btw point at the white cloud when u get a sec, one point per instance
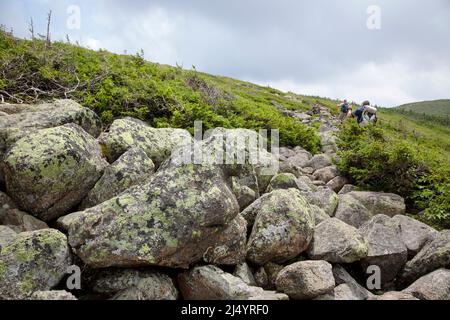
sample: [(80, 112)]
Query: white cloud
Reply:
[(93, 44), (389, 84)]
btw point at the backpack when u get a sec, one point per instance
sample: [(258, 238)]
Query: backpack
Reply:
[(344, 108)]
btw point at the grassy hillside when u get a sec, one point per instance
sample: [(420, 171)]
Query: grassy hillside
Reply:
[(437, 107), (437, 112), (402, 155), (127, 85)]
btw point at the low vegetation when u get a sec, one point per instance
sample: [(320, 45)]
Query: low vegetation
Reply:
[(126, 85), (401, 156)]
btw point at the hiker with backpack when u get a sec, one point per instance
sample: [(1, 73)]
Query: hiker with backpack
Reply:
[(344, 108), (366, 114)]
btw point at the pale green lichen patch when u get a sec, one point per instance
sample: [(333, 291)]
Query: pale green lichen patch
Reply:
[(50, 170)]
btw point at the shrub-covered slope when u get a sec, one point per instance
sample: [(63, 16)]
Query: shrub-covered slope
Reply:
[(126, 85)]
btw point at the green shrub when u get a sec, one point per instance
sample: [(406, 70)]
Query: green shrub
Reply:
[(375, 161)]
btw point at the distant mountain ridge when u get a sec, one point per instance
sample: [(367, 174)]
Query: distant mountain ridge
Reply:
[(439, 108)]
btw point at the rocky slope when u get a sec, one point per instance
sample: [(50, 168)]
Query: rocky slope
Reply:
[(141, 224)]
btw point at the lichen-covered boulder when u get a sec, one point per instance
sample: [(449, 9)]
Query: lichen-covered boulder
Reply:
[(337, 242), (358, 207), (415, 234), (33, 261), (24, 120), (21, 221), (129, 284), (49, 171), (211, 283), (306, 279), (156, 143), (386, 247), (170, 221), (63, 223), (57, 295), (230, 248), (133, 167), (434, 255), (282, 181), (283, 228), (319, 214), (433, 286)]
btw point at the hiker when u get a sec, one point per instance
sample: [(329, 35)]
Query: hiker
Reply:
[(344, 108), (366, 114)]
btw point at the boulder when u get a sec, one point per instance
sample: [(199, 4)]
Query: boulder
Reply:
[(347, 189), (388, 204), (386, 247), (21, 221), (33, 261), (25, 120), (132, 168), (434, 255), (351, 211), (211, 283), (170, 221), (283, 228), (48, 172), (57, 295), (129, 284), (230, 248), (337, 242), (7, 235), (286, 152), (238, 152), (156, 143), (244, 272), (296, 163), (357, 207), (343, 292), (415, 234), (324, 198), (306, 279), (63, 223), (282, 181), (326, 174), (245, 187), (394, 296), (336, 184), (319, 161), (341, 276), (319, 215), (433, 286)]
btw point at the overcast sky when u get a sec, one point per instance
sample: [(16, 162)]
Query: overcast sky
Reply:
[(321, 47)]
